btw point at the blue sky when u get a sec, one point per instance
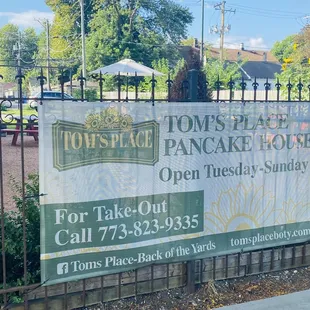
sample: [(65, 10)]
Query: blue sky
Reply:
[(257, 24)]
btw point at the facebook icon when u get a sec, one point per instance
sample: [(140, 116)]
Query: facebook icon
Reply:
[(62, 268)]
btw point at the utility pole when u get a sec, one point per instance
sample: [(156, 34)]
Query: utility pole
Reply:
[(17, 52), (48, 47), (47, 26), (18, 47), (223, 28), (83, 39), (202, 31)]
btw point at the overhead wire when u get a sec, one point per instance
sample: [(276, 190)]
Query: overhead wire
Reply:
[(269, 13), (265, 15), (266, 10)]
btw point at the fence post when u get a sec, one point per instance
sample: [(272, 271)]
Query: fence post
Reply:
[(82, 80), (169, 83), (61, 80), (41, 78), (193, 96)]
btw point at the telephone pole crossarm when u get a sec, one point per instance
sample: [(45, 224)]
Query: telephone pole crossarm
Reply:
[(221, 7)]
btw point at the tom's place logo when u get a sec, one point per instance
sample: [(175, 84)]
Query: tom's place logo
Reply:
[(105, 137)]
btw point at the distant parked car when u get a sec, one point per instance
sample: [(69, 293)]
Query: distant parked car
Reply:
[(33, 100)]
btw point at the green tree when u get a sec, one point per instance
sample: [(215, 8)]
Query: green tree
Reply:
[(66, 28), (225, 71), (284, 49), (144, 30), (9, 38), (299, 69), (163, 66), (29, 42), (14, 249), (190, 41)]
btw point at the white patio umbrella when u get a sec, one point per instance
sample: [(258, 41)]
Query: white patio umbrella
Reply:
[(127, 67)]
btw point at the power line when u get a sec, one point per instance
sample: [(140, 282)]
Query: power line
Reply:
[(274, 16), (266, 10), (269, 13)]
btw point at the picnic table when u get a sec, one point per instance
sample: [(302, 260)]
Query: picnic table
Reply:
[(31, 127)]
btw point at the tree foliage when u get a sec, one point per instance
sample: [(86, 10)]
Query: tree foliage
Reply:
[(144, 30), (14, 249), (299, 69), (9, 38), (164, 66), (225, 71), (66, 29), (190, 41), (284, 49)]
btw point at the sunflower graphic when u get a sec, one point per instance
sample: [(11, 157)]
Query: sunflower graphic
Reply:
[(93, 122), (109, 118), (240, 208), (125, 122), (294, 212)]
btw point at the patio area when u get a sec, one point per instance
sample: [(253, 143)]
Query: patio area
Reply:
[(11, 158)]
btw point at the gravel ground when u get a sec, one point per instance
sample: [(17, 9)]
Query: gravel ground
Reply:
[(216, 294), (11, 159)]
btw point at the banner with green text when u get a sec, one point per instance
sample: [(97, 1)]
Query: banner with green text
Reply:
[(130, 184)]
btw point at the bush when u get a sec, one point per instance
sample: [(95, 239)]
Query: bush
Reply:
[(13, 224), (91, 95)]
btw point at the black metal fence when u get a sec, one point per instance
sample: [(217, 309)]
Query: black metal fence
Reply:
[(147, 279), (188, 88)]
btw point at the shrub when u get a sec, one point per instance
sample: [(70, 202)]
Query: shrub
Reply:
[(91, 95), (13, 224)]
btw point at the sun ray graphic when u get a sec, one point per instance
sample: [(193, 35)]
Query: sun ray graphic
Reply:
[(240, 208), (294, 212)]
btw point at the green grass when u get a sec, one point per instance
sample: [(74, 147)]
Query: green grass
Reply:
[(26, 112), (11, 124)]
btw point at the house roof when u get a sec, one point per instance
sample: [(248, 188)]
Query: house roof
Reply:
[(260, 69), (239, 54), (254, 65), (230, 54), (8, 86)]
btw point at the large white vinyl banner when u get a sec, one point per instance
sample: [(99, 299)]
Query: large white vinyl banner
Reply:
[(190, 179)]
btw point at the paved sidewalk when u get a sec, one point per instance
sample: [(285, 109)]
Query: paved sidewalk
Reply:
[(295, 301)]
